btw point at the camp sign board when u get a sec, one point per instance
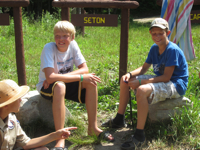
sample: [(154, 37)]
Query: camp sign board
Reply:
[(94, 20), (195, 16), (4, 19)]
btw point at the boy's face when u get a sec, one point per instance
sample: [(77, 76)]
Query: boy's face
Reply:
[(159, 36), (14, 107), (62, 40)]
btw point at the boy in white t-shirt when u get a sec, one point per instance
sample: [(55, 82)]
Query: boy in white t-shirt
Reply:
[(58, 81)]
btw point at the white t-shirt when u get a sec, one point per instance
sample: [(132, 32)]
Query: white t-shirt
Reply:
[(62, 62)]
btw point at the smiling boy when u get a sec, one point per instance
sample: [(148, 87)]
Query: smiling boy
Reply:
[(170, 81), (58, 81)]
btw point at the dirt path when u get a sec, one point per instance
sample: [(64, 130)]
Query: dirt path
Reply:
[(120, 136), (145, 20)]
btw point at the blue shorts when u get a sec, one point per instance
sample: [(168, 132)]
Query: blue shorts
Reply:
[(73, 91)]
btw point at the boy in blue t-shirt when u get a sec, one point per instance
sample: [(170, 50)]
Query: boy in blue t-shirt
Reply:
[(170, 81)]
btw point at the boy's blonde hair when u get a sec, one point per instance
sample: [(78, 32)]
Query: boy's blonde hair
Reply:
[(65, 26)]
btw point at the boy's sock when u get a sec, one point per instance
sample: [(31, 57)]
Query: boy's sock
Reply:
[(139, 135), (119, 119)]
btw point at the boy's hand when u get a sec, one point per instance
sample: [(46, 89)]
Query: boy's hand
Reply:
[(126, 77), (134, 84), (45, 84), (65, 133), (91, 78)]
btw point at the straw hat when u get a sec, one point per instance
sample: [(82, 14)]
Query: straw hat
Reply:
[(10, 92)]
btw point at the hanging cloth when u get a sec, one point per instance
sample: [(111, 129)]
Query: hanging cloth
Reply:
[(177, 13)]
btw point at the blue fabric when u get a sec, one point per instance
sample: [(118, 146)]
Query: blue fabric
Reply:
[(172, 56)]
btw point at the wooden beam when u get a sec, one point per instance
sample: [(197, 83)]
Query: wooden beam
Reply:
[(65, 14), (14, 3), (96, 4), (17, 11), (4, 19), (125, 13)]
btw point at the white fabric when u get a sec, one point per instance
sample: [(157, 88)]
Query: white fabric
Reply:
[(62, 62), (161, 91)]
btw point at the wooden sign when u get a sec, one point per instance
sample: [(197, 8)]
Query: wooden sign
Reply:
[(94, 20), (195, 16), (4, 19)]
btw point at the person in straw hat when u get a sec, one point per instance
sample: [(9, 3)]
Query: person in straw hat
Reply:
[(11, 133)]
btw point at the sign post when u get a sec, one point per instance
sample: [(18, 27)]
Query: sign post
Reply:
[(94, 20), (4, 21), (19, 45)]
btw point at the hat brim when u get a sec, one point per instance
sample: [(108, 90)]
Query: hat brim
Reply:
[(158, 25), (22, 91)]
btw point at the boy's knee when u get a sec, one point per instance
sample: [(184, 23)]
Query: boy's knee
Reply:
[(141, 91), (60, 88), (88, 86)]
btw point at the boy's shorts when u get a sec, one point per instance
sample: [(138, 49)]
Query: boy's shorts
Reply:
[(73, 91), (161, 90)]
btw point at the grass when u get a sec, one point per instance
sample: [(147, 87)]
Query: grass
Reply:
[(100, 47)]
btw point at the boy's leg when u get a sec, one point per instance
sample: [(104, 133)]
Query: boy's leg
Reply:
[(91, 106), (91, 96), (119, 120), (143, 92), (138, 139), (124, 96), (58, 107)]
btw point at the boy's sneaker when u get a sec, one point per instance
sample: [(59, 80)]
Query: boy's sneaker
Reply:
[(132, 144), (111, 124)]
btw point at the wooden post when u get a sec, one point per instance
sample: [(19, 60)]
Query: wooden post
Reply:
[(82, 27), (19, 46), (124, 42), (65, 13)]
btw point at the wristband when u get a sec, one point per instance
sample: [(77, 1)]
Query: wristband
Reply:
[(140, 81), (81, 78), (130, 74)]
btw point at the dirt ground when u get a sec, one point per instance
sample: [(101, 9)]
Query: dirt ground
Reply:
[(120, 136)]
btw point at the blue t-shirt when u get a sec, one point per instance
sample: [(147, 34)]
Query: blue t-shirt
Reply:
[(172, 56)]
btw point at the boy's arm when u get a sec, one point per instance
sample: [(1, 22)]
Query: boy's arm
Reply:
[(52, 77), (139, 71), (43, 140), (82, 69), (163, 78)]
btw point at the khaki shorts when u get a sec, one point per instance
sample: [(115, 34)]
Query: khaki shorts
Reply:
[(161, 90)]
